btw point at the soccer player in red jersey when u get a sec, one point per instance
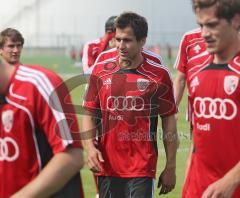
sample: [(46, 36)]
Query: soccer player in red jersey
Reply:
[(129, 93), (109, 54), (38, 157), (215, 161), (93, 48)]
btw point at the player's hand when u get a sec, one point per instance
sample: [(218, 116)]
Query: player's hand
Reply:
[(222, 188), (167, 181), (94, 159)]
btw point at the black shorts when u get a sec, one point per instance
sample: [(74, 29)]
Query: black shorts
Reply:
[(116, 187)]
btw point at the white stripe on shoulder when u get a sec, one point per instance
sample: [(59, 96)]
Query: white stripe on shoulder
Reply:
[(105, 52), (149, 52), (46, 89), (160, 66), (106, 61), (157, 65)]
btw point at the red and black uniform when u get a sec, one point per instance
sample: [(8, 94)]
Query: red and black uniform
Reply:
[(215, 92), (130, 102), (33, 128), (112, 54)]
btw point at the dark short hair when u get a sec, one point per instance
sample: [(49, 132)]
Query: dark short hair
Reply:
[(110, 24), (226, 9), (135, 21), (12, 34)]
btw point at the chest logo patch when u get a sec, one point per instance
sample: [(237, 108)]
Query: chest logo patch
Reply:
[(230, 84), (7, 120), (142, 84)]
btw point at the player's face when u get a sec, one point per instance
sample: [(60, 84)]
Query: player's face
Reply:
[(11, 51), (218, 33), (129, 49)]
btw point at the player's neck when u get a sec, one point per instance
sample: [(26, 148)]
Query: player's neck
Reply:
[(230, 52), (131, 63)]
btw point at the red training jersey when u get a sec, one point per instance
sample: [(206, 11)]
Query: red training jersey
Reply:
[(129, 102), (216, 125), (33, 126), (192, 51), (192, 47)]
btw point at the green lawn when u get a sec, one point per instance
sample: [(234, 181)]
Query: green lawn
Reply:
[(65, 67)]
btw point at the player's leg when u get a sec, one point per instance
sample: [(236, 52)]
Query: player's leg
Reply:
[(142, 187), (111, 187)]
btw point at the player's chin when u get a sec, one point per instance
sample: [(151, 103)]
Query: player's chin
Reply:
[(212, 47), (14, 61)]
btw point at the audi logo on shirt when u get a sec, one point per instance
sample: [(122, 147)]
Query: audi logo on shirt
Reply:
[(9, 150), (125, 103), (214, 108)]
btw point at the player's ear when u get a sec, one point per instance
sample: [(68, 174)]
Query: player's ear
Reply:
[(236, 22)]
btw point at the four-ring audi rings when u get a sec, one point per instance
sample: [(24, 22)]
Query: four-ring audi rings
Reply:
[(125, 103), (9, 150), (214, 108)]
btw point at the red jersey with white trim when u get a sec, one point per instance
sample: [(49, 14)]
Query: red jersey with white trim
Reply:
[(130, 102), (192, 47), (216, 106), (33, 126), (92, 49), (192, 53), (112, 54)]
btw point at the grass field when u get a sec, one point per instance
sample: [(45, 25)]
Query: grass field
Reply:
[(65, 67)]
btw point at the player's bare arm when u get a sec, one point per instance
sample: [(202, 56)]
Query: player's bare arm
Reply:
[(225, 186), (60, 169), (94, 156), (179, 86), (167, 179)]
